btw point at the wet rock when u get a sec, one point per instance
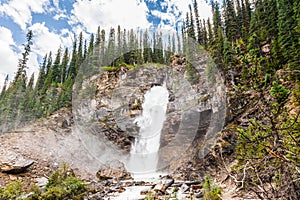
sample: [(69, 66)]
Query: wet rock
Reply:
[(13, 163), (113, 170)]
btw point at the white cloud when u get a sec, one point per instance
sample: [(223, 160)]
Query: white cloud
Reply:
[(8, 57), (109, 13), (21, 11), (45, 40)]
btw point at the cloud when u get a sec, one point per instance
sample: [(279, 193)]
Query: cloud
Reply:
[(172, 12), (109, 13), (21, 11), (44, 40), (8, 57)]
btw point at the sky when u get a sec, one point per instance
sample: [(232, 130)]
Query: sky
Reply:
[(54, 23)]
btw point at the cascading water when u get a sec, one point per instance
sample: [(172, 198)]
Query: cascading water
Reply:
[(144, 151)]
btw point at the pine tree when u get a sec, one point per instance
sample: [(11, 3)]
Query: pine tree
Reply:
[(210, 33), (56, 68), (42, 75), (205, 39), (98, 37), (91, 45), (79, 57), (216, 19), (4, 87), (110, 53), (288, 39), (146, 46), (21, 76), (119, 44), (72, 67), (231, 28), (64, 66), (198, 21)]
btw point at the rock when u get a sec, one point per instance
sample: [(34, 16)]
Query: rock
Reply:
[(139, 183), (167, 184), (13, 163), (113, 170), (158, 187), (196, 187), (184, 187), (42, 182), (144, 192), (189, 183), (199, 195)]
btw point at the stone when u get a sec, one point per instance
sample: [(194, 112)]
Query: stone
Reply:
[(158, 187), (13, 163), (113, 170), (41, 182), (184, 188), (144, 192)]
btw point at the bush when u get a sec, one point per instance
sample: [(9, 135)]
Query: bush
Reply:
[(13, 190), (62, 185), (210, 190)]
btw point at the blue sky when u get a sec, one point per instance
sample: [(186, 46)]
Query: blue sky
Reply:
[(54, 22)]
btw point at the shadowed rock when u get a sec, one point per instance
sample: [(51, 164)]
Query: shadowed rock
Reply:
[(13, 163)]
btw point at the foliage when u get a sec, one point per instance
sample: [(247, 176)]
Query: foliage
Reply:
[(210, 190), (13, 190), (62, 184), (268, 149)]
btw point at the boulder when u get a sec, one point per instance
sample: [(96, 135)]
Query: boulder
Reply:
[(113, 170), (13, 163)]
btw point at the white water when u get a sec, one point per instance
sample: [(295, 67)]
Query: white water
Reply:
[(144, 151)]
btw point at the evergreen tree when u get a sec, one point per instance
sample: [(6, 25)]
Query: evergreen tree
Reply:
[(288, 37), (205, 39), (216, 19), (91, 44), (42, 75), (4, 87), (56, 68), (231, 28), (146, 46), (79, 56), (198, 21), (64, 66), (111, 48), (72, 67)]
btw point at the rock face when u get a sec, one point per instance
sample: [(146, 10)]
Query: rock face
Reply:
[(194, 114), (113, 170), (11, 162)]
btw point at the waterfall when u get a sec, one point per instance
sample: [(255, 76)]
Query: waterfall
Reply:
[(144, 150)]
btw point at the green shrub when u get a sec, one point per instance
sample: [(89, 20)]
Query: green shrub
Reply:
[(13, 190), (63, 184), (211, 191)]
